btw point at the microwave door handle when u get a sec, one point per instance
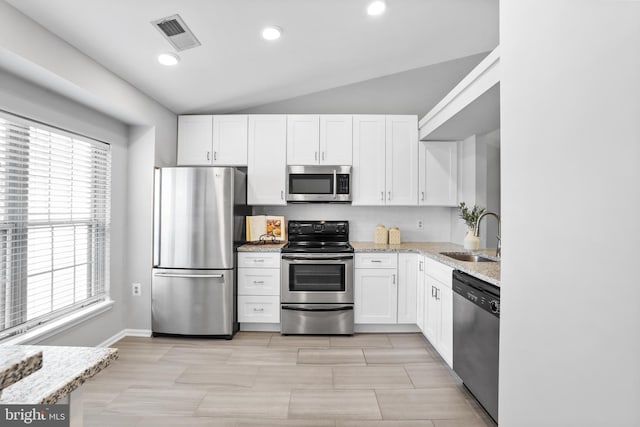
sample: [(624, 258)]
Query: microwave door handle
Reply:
[(335, 184)]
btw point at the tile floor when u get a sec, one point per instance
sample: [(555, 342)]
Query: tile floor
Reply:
[(265, 379)]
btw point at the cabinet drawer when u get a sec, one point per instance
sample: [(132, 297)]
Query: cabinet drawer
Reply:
[(259, 309), (441, 272), (258, 281), (376, 260), (255, 259)]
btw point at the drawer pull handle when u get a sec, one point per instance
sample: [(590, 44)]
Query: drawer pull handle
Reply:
[(377, 261), (258, 282), (258, 260), (258, 309)]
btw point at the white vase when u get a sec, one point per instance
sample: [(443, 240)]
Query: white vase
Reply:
[(471, 241)]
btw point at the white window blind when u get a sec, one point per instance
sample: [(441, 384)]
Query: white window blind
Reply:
[(54, 223)]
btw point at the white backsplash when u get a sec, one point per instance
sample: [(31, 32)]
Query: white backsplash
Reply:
[(363, 219)]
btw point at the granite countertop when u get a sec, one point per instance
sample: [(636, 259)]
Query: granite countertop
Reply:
[(487, 271), (262, 247), (17, 362), (64, 369)]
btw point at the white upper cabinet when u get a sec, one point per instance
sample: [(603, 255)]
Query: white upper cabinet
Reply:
[(402, 166), (195, 140), (230, 140), (438, 173), (336, 140), (319, 139), (267, 160), (303, 139), (212, 140), (385, 165), (368, 160)]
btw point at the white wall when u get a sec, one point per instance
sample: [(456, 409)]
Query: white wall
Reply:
[(29, 50), (363, 219), (570, 109), (24, 98)]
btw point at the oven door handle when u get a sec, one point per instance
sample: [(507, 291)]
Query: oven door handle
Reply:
[(344, 308), (312, 258)]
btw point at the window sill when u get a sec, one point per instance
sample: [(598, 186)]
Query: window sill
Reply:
[(51, 329)]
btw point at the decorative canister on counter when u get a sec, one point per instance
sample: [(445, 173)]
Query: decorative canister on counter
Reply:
[(380, 235), (394, 236)]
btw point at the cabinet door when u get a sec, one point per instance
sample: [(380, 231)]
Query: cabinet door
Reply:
[(408, 272), (445, 297), (266, 172), (230, 140), (195, 140), (438, 173), (402, 160), (303, 139), (336, 140), (420, 300), (368, 160), (375, 295), (434, 312)]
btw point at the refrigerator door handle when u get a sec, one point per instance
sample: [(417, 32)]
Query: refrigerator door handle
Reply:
[(198, 276)]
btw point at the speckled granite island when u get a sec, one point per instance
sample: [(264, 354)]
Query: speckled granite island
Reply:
[(17, 362), (63, 370), (487, 271)]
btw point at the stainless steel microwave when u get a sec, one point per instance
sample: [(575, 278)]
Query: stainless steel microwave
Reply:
[(319, 184)]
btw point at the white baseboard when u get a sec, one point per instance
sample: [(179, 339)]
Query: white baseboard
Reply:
[(260, 327), (125, 333), (365, 328)]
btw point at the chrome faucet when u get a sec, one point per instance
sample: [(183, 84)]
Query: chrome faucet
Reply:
[(477, 229)]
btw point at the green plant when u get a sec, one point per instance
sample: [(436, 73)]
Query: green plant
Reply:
[(470, 216)]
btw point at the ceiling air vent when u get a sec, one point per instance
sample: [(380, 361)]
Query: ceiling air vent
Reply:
[(176, 32)]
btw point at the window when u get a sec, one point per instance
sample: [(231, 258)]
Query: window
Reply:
[(54, 223)]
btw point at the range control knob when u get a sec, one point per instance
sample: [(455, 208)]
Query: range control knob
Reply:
[(340, 228), (495, 306)]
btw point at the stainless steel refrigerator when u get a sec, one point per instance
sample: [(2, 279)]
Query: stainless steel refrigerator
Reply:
[(199, 217)]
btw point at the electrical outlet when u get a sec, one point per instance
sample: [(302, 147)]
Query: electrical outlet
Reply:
[(420, 224), (136, 289)]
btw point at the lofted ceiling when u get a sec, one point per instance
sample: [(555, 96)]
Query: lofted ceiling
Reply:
[(325, 44)]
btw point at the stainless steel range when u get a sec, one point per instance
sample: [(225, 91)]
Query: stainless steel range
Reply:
[(316, 288)]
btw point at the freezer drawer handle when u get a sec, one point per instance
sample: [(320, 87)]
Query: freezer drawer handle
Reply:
[(201, 276), (286, 307)]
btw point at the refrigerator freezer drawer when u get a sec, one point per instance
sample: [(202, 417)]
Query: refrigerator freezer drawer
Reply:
[(193, 302)]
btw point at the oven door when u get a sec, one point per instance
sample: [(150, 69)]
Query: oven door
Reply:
[(317, 278)]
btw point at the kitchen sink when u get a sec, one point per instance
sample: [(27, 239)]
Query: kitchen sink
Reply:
[(465, 256)]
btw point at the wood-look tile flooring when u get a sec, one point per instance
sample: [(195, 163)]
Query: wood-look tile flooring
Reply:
[(265, 379)]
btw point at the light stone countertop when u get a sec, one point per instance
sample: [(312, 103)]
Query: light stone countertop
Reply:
[(64, 369), (487, 271), (17, 362), (262, 247)]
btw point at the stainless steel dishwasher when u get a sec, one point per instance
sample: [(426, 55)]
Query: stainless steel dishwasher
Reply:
[(476, 331)]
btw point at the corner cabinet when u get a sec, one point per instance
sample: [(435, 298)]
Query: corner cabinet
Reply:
[(266, 180), (385, 167), (206, 140), (438, 177)]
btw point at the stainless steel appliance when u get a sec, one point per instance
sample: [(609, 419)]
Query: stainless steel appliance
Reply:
[(319, 183), (476, 330), (198, 215), (316, 291)]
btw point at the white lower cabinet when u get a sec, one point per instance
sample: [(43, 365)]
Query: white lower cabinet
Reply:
[(376, 288), (408, 272), (438, 306), (258, 287)]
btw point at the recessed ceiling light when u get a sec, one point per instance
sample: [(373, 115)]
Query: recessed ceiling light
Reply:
[(377, 7), (271, 33), (168, 59)]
